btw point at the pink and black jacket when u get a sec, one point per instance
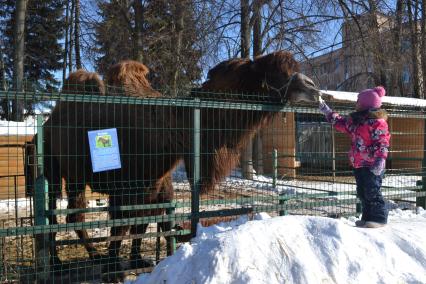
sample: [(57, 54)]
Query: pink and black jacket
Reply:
[(369, 135)]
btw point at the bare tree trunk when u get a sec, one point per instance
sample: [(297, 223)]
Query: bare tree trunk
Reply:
[(257, 28), (178, 29), (77, 34), (19, 55), (257, 50), (138, 32), (4, 103), (2, 71), (377, 46), (247, 155), (396, 68), (70, 36), (64, 65), (245, 29), (413, 24)]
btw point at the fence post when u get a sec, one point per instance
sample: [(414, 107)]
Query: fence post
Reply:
[(41, 199), (195, 194), (333, 145), (281, 200), (171, 243), (3, 273), (274, 168)]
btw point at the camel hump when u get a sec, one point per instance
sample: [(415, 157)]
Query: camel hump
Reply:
[(279, 62), (129, 77), (83, 82), (226, 67)]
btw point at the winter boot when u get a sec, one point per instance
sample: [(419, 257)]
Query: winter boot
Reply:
[(360, 223), (370, 224)]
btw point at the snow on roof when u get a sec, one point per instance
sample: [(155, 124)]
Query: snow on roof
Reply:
[(300, 249), (352, 97), (27, 127)]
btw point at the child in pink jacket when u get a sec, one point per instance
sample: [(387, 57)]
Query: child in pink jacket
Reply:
[(370, 137)]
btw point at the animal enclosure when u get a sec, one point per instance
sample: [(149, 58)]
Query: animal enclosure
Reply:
[(180, 165)]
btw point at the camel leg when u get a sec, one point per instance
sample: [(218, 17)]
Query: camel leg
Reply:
[(166, 227), (53, 220), (136, 260), (113, 270), (77, 199), (51, 172), (166, 195)]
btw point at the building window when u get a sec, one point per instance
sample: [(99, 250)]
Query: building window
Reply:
[(346, 69), (336, 63), (370, 66), (405, 45), (405, 75)]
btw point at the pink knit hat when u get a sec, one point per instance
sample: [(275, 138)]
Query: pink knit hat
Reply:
[(371, 98)]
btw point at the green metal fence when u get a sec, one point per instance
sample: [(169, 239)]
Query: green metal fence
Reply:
[(61, 195)]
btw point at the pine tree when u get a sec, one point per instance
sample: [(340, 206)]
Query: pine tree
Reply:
[(43, 32), (152, 35), (171, 54), (113, 34), (6, 10)]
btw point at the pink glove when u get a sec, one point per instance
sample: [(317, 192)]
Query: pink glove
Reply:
[(378, 167)]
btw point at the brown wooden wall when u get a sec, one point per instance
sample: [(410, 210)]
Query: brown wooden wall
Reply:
[(280, 135), (406, 142), (342, 144), (12, 166)]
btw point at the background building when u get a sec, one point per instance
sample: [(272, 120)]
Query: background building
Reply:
[(372, 54)]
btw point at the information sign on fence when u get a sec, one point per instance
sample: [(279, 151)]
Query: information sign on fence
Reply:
[(104, 150)]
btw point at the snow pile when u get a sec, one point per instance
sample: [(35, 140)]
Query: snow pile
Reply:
[(300, 249)]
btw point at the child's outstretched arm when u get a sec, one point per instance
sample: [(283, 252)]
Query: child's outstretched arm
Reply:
[(380, 137), (339, 122)]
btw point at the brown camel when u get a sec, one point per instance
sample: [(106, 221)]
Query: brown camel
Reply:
[(129, 78), (78, 82), (83, 82), (153, 139)]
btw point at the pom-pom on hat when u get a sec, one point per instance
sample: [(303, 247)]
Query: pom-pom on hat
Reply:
[(371, 98)]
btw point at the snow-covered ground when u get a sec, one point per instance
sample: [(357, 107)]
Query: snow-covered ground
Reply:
[(289, 249), (259, 184), (291, 186), (300, 249)]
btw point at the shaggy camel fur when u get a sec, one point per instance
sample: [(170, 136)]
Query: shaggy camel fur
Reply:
[(153, 139), (78, 82), (129, 78), (82, 82)]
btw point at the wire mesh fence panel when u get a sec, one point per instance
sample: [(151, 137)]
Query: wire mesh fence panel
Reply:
[(100, 183)]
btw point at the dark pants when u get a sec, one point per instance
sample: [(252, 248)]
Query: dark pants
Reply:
[(368, 191)]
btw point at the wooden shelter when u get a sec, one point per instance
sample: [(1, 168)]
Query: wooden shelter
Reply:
[(12, 155)]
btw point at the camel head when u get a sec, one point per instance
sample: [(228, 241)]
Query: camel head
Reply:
[(302, 88), (280, 79), (273, 76)]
